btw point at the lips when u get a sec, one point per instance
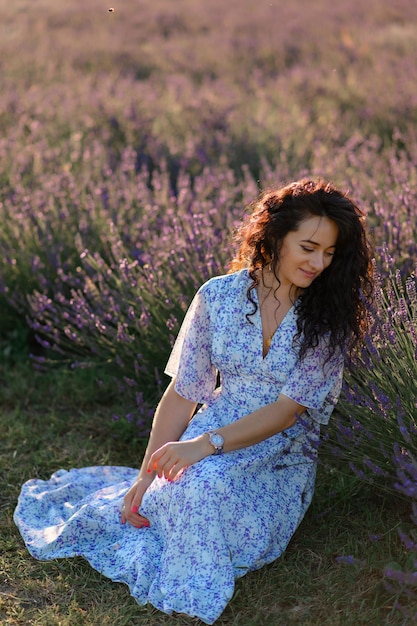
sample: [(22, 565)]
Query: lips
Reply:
[(310, 275)]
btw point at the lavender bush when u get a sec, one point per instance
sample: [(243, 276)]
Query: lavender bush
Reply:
[(124, 300), (376, 427)]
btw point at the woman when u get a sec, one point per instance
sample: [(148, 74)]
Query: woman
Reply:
[(222, 491)]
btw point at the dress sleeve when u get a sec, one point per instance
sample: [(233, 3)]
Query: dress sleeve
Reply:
[(316, 382), (190, 361)]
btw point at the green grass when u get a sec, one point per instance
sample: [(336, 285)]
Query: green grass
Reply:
[(306, 586)]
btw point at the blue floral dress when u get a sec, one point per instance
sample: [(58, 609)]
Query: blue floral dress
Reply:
[(224, 516)]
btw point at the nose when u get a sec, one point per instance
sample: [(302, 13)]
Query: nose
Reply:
[(317, 261)]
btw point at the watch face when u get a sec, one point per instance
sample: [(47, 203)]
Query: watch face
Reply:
[(216, 439)]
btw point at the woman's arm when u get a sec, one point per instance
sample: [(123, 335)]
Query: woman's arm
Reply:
[(171, 419), (247, 431), (261, 424)]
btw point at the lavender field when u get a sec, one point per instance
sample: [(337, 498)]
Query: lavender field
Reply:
[(131, 142)]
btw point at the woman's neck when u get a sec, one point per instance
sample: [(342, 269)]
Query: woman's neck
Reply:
[(269, 284)]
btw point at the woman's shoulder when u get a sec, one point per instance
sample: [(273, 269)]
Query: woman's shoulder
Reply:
[(226, 284)]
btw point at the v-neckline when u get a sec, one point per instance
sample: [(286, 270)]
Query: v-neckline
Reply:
[(260, 327)]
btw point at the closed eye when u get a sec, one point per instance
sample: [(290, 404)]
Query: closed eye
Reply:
[(307, 249)]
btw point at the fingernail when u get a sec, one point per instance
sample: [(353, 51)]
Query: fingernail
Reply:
[(149, 471), (134, 509)]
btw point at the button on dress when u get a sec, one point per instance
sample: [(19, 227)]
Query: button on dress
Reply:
[(228, 514)]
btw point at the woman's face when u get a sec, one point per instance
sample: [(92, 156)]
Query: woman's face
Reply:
[(306, 252)]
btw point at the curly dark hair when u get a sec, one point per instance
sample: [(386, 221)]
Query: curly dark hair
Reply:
[(335, 302)]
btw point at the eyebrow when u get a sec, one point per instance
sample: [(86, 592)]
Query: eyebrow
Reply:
[(314, 243)]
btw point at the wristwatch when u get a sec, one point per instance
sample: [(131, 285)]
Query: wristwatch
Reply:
[(216, 441)]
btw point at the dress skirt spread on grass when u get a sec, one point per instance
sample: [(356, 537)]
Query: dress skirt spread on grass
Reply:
[(224, 516)]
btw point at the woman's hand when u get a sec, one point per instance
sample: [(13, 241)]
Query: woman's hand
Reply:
[(132, 502), (173, 456)]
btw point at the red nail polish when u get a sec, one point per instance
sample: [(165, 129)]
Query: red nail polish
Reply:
[(134, 509)]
